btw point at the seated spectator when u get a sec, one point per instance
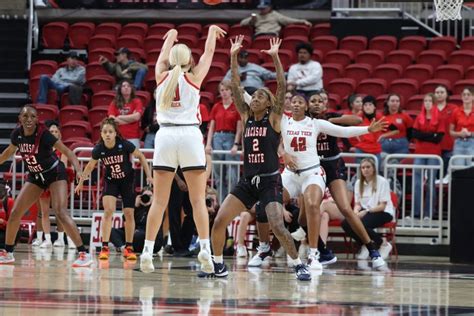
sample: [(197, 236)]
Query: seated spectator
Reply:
[(6, 206), (125, 68), (225, 131), (149, 124), (462, 128), (428, 131), (354, 102), (70, 79), (373, 204), (307, 75), (395, 140), (252, 76), (269, 22), (329, 212), (127, 111)]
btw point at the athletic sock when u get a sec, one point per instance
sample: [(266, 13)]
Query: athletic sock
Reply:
[(218, 259), (313, 251), (205, 244), (296, 261), (263, 246), (371, 245), (47, 237), (61, 236), (128, 244), (81, 248), (9, 248), (148, 247), (39, 235), (105, 244)]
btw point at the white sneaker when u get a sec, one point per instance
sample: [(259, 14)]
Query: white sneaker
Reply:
[(36, 242), (303, 251), (289, 262), (146, 263), (46, 244), (59, 243), (205, 258), (378, 262), (261, 257), (363, 253), (241, 251), (299, 234), (70, 243), (385, 250), (84, 260), (313, 263)]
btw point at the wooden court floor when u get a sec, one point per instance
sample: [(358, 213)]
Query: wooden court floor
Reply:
[(44, 283)]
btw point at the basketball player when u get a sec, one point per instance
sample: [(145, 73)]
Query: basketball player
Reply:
[(336, 175), (179, 141), (262, 180), (36, 146), (303, 174), (114, 152)]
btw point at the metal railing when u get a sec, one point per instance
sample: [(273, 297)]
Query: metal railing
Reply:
[(33, 32)]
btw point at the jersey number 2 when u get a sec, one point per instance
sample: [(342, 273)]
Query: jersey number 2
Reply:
[(298, 144), (255, 144)]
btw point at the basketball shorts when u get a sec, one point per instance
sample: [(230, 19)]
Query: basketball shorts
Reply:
[(179, 146), (296, 184), (335, 169), (45, 179), (124, 188), (269, 190), (70, 178)]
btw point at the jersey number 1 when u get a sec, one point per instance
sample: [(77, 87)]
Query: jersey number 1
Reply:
[(298, 144)]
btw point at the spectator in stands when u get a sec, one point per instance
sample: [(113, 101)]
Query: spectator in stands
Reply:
[(446, 111), (307, 75), (149, 124), (428, 131), (127, 111), (252, 76), (125, 68), (462, 127), (269, 22), (373, 204), (354, 103), (225, 131), (66, 79), (6, 205), (287, 108), (395, 140)]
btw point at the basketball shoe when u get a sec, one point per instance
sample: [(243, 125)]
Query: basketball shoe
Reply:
[(146, 263), (6, 257), (262, 256)]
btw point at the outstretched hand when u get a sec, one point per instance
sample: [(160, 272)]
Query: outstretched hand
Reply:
[(236, 44), (219, 32), (378, 126), (274, 46), (171, 33)]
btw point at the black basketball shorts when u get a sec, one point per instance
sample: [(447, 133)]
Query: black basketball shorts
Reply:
[(335, 169), (124, 187), (45, 179)]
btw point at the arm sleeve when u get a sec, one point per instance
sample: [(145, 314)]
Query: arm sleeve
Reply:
[(96, 152), (285, 20), (384, 190), (315, 74), (291, 74), (266, 74), (340, 131), (246, 21), (138, 106), (112, 109), (110, 67)]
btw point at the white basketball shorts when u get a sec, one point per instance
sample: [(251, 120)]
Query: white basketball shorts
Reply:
[(296, 184)]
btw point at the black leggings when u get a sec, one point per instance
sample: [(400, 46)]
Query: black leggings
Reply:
[(370, 221), (181, 233)]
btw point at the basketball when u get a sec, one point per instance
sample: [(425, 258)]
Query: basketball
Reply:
[(212, 2)]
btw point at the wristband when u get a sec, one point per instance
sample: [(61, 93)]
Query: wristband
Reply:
[(236, 144)]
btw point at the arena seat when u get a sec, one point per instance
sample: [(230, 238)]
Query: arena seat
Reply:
[(316, 56), (72, 113), (46, 112), (102, 41), (144, 96), (404, 87), (65, 99), (272, 85), (370, 57), (414, 103), (212, 84), (403, 57), (325, 43), (54, 34), (80, 33), (153, 43), (76, 129), (97, 114), (238, 29), (452, 73), (469, 74), (358, 72), (388, 72), (354, 43), (291, 42), (43, 67), (102, 98), (224, 26), (137, 54), (419, 72), (261, 42), (107, 52), (372, 86), (445, 43), (384, 43), (108, 28), (295, 30), (334, 100), (207, 98), (254, 56), (434, 58), (138, 29), (461, 84), (456, 99), (221, 42), (342, 56), (465, 58), (467, 43), (95, 69), (332, 71), (159, 29), (415, 43), (34, 90), (430, 85), (101, 83), (380, 101), (78, 144), (222, 55), (130, 41), (71, 141), (188, 39), (190, 29), (342, 87), (320, 29)]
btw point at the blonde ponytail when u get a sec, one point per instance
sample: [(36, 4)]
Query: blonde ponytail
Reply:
[(180, 56)]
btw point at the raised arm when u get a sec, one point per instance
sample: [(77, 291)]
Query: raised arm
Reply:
[(280, 77), (202, 68), (347, 120), (7, 153), (351, 131), (162, 63), (237, 94)]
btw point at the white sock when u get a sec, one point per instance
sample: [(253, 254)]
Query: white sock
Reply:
[(205, 244), (47, 237), (39, 235), (218, 259), (263, 246), (169, 240), (61, 236), (148, 247), (296, 261), (313, 251), (69, 241)]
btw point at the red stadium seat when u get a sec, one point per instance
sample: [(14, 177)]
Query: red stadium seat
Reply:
[(429, 86), (370, 57), (97, 114), (406, 88), (78, 144), (316, 56), (190, 29), (461, 84), (188, 39), (212, 84), (76, 129), (291, 42), (456, 99), (153, 43), (43, 67), (195, 52), (325, 43), (217, 69), (102, 41), (272, 85), (224, 26), (80, 33), (452, 73), (95, 135), (108, 28), (34, 90), (334, 101), (341, 56), (402, 57), (152, 55), (130, 41), (354, 43), (358, 72), (46, 112), (295, 30), (139, 29), (54, 34), (261, 42), (416, 44), (72, 113), (160, 29), (238, 29), (255, 56), (320, 29), (384, 43), (101, 83), (467, 43), (102, 98), (137, 54), (95, 69), (107, 52), (207, 98), (372, 87), (444, 43), (150, 81), (419, 72), (331, 72), (222, 56), (414, 103), (65, 99), (434, 58), (144, 96), (465, 58), (342, 87), (469, 73), (246, 43), (388, 72)]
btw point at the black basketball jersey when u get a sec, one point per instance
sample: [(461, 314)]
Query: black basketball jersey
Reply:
[(116, 160), (327, 145), (36, 150), (260, 147)]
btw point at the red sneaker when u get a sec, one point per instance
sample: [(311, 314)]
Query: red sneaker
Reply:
[(129, 254), (104, 253)]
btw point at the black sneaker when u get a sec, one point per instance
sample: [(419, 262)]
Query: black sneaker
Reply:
[(220, 271), (302, 273), (327, 257)]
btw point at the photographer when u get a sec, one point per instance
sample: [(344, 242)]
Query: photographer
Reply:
[(142, 206)]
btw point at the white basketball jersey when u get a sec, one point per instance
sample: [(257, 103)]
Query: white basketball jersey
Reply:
[(185, 107)]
